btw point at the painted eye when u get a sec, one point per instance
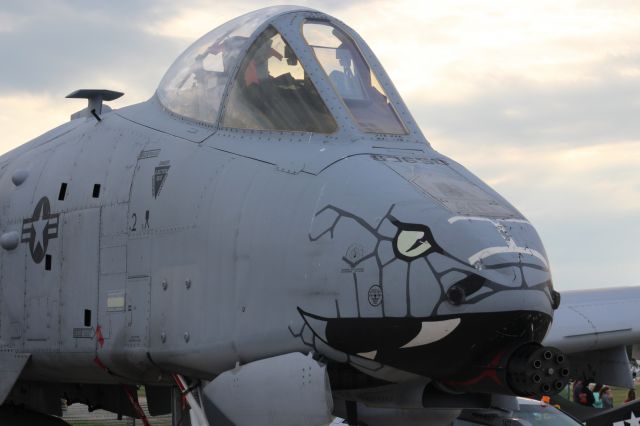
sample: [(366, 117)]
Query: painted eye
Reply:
[(413, 241)]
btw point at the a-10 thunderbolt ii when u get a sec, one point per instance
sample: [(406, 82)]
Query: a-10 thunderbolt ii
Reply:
[(271, 239)]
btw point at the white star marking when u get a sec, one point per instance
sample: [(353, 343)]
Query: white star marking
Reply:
[(631, 421), (40, 228)]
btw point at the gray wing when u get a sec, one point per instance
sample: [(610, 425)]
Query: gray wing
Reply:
[(594, 327)]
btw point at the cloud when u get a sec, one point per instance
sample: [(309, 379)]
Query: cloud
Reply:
[(74, 46), (199, 17), (518, 111), (9, 22), (190, 23), (592, 252), (543, 177), (448, 52), (24, 116)]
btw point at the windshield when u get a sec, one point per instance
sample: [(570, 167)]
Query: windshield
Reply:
[(194, 85), (272, 91), (543, 415), (352, 78), (527, 415)]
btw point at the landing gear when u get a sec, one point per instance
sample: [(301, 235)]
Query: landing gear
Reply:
[(133, 399), (191, 395)]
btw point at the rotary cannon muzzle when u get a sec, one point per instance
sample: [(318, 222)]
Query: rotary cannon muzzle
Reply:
[(528, 370), (534, 370)]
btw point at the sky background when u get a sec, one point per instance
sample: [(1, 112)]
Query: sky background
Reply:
[(541, 99)]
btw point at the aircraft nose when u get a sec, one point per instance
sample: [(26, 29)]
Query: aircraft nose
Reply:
[(432, 267), (425, 284)]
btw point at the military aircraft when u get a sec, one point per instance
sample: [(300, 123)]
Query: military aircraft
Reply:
[(271, 239)]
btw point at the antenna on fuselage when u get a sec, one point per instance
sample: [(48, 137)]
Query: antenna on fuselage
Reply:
[(95, 98)]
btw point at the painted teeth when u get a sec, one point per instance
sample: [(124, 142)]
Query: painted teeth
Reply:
[(369, 355), (432, 331)]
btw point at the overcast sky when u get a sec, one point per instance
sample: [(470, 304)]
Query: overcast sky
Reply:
[(539, 98)]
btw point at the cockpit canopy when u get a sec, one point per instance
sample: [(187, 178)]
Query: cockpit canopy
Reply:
[(246, 75)]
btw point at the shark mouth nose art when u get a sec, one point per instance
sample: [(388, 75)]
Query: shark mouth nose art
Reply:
[(366, 337), (418, 345)]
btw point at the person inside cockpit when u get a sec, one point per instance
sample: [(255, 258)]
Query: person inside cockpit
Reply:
[(257, 68), (345, 81), (273, 91), (350, 81)]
